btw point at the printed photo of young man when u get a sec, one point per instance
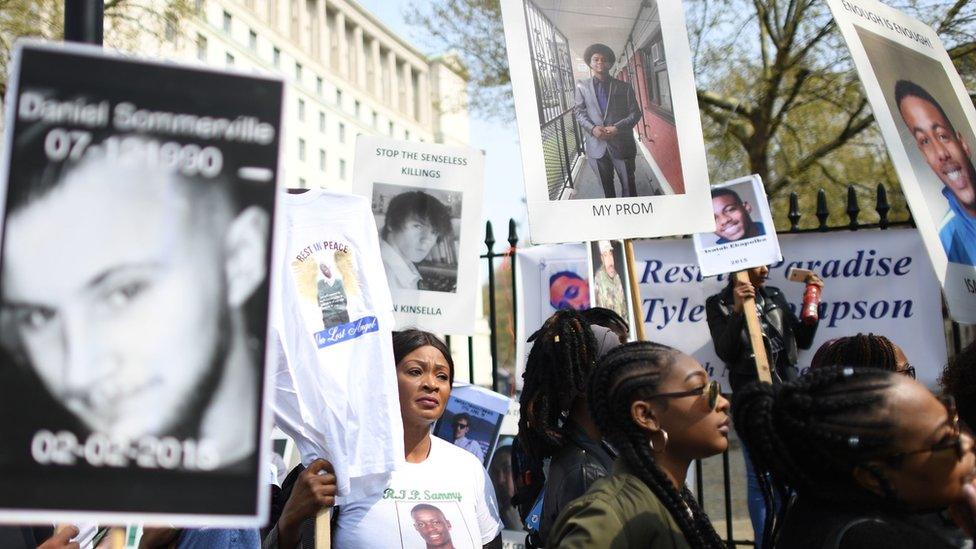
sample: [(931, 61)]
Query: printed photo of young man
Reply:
[(733, 217)]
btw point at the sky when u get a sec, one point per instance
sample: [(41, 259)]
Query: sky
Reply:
[(504, 190)]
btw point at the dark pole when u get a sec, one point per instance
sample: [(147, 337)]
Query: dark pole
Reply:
[(83, 21)]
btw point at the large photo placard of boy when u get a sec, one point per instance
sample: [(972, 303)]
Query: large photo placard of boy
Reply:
[(744, 235), (926, 118), (608, 119), (426, 199), (138, 205)]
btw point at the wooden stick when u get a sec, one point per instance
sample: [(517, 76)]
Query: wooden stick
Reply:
[(116, 538), (755, 332), (323, 528), (635, 297)]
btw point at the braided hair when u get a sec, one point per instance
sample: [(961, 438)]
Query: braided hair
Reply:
[(876, 351), (628, 373), (563, 355), (959, 380), (813, 432)]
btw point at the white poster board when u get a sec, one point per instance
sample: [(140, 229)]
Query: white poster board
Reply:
[(549, 278), (875, 282), (138, 203), (473, 419), (927, 119), (426, 199), (744, 235), (631, 131)]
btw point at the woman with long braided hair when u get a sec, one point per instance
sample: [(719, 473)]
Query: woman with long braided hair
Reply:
[(554, 422), (657, 407), (864, 449)]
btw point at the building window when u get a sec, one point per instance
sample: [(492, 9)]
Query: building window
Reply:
[(276, 57), (338, 98), (322, 159), (342, 169), (301, 183), (318, 85), (376, 119), (227, 22), (298, 71), (201, 47), (301, 149), (252, 40), (656, 71), (301, 110), (230, 60), (342, 132), (321, 121), (389, 128), (356, 106)]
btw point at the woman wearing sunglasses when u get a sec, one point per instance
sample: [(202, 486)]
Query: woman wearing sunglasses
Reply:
[(658, 408), (866, 450)]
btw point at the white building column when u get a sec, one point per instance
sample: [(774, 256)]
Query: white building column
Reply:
[(408, 87), (340, 23), (360, 54), (423, 88), (394, 85), (374, 59)]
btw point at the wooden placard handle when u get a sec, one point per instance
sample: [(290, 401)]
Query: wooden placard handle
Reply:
[(116, 538), (755, 332), (323, 528), (635, 298)]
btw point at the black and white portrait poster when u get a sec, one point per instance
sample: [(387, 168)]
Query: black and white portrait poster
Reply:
[(136, 243), (548, 278), (926, 118), (426, 199), (608, 119), (744, 235), (473, 419)]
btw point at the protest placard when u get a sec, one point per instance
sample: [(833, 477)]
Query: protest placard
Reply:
[(744, 235), (138, 202), (608, 271), (875, 282), (608, 119), (427, 202), (926, 118), (473, 419)]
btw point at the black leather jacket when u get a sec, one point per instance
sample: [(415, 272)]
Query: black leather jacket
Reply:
[(731, 337), (572, 470)]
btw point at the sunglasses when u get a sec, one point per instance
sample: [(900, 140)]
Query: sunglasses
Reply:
[(909, 371), (955, 443), (461, 426), (711, 389)]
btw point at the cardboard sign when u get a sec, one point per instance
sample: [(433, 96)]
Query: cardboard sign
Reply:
[(927, 119), (744, 235), (427, 202), (138, 208), (473, 419), (608, 119)]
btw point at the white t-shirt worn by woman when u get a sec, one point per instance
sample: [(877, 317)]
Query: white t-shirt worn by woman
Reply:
[(447, 497)]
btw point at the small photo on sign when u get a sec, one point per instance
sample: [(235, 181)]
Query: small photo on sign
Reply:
[(425, 524), (744, 235), (608, 272), (419, 230), (566, 285)]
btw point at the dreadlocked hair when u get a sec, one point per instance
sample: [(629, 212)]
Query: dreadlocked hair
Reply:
[(959, 380), (812, 433), (563, 355), (629, 372), (876, 351)]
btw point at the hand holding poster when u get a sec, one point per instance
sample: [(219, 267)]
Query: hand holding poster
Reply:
[(744, 235), (426, 199), (608, 119), (136, 248), (927, 120)]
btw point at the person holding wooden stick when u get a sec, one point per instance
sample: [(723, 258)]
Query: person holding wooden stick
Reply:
[(783, 334)]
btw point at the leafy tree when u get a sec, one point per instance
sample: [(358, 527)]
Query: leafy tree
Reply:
[(126, 22)]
